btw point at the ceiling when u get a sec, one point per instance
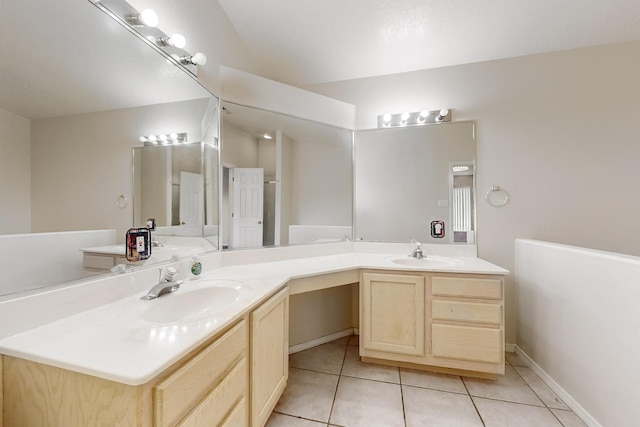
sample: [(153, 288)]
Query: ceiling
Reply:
[(305, 42)]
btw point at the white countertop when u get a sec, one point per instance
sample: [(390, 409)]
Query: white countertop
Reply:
[(111, 341)]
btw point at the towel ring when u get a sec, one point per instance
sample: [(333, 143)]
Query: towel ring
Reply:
[(497, 202), (122, 201)]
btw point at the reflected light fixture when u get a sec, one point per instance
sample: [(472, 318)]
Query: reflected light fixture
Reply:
[(146, 18), (414, 118), (442, 114), (267, 136), (164, 139)]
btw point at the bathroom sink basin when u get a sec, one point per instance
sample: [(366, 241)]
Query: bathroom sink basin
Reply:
[(428, 262), (194, 301), (190, 305)]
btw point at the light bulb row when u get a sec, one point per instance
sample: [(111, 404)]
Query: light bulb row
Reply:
[(414, 118), (149, 18), (164, 139)]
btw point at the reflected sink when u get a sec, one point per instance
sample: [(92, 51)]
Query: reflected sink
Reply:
[(428, 262)]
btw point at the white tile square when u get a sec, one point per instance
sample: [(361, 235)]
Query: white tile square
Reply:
[(568, 418), (365, 403), (308, 395), (327, 358), (509, 387), (281, 420), (497, 413), (425, 408), (432, 380), (541, 389), (353, 367)]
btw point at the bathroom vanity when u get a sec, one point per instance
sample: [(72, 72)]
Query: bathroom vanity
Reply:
[(447, 322), (103, 366)]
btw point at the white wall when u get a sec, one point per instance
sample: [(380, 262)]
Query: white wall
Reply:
[(239, 148), (559, 131), (15, 173), (322, 184), (579, 320), (81, 164)]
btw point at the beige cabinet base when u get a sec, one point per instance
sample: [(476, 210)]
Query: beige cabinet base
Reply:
[(269, 356), (452, 323)]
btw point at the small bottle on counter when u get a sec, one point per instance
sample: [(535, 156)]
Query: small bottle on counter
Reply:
[(196, 268)]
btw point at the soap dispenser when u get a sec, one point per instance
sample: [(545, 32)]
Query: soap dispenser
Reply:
[(196, 268)]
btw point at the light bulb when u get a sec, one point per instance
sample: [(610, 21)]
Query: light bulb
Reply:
[(386, 118), (199, 58), (177, 40), (266, 136), (162, 138), (404, 117), (424, 113), (174, 136), (149, 18), (444, 112), (142, 139), (152, 139)]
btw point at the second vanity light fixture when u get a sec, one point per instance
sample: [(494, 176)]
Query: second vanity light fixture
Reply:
[(145, 23), (164, 139), (414, 118)]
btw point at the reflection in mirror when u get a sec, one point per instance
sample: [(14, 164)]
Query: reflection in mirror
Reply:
[(70, 113), (285, 180), (410, 180)]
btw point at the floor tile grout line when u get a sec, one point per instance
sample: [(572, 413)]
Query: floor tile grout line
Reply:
[(335, 393), (473, 402), (536, 394), (404, 413)]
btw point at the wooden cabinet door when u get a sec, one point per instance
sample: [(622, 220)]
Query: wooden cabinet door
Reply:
[(269, 356), (393, 313)]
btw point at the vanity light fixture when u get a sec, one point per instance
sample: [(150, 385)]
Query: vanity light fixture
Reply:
[(145, 24), (198, 58), (386, 120), (176, 40), (442, 115), (146, 18), (164, 139), (414, 118), (460, 168), (267, 136)]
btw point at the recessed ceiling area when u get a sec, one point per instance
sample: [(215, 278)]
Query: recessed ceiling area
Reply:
[(305, 42)]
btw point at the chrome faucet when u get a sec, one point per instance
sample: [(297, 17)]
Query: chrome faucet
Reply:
[(166, 284), (417, 251)]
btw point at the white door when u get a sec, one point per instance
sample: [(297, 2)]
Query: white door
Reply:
[(248, 187), (190, 205)]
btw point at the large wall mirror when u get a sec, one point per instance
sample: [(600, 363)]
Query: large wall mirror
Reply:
[(77, 90), (416, 182), (285, 180)]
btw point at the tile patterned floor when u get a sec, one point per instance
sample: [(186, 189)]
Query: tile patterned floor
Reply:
[(329, 386)]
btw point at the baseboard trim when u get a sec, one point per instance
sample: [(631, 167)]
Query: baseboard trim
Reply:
[(510, 348), (322, 340), (557, 389)]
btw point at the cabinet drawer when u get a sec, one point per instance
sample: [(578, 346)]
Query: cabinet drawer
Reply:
[(467, 343), (467, 287), (178, 394), (239, 415), (467, 311), (219, 404)]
